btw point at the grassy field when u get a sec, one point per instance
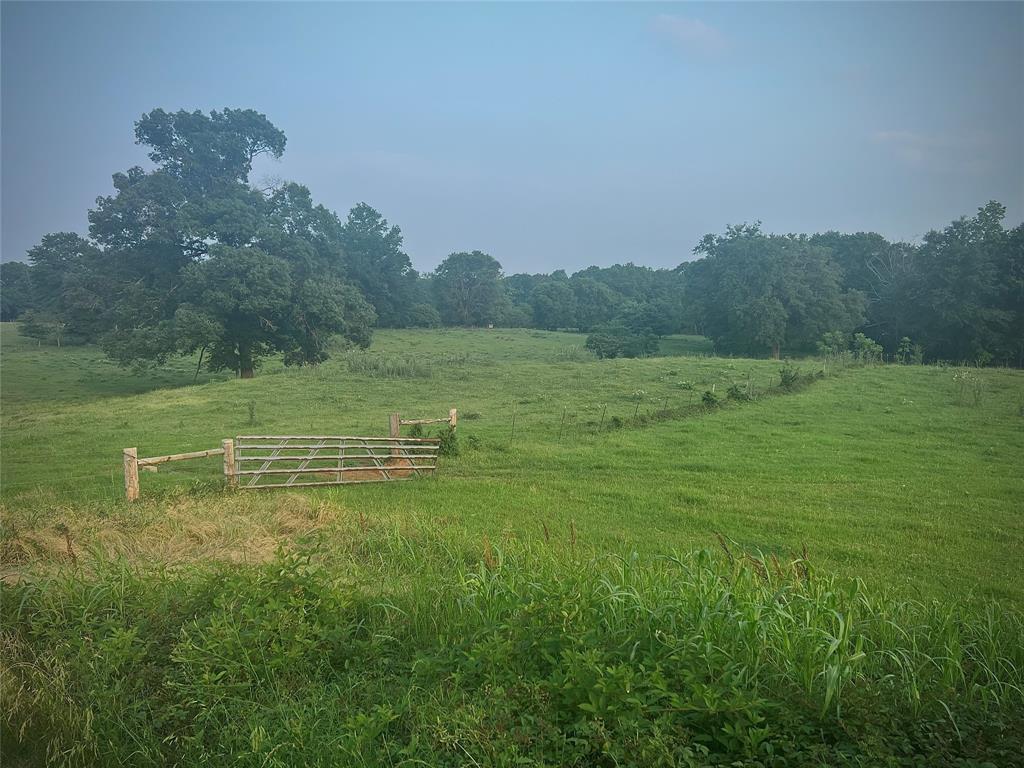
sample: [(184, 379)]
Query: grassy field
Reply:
[(901, 487)]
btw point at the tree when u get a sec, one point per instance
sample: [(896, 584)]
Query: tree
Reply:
[(554, 305), (207, 151), (424, 316), (966, 275), (15, 290), (375, 261), (884, 273), (189, 257), (596, 303), (469, 290), (755, 292)]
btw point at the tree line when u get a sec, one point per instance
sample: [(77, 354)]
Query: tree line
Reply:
[(191, 257)]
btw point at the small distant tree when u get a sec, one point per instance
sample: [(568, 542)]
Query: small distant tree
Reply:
[(866, 350), (833, 344), (468, 288)]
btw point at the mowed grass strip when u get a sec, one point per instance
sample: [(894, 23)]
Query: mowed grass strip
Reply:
[(885, 473)]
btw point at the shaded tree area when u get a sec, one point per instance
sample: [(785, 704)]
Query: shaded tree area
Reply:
[(754, 293), (189, 257), (959, 295)]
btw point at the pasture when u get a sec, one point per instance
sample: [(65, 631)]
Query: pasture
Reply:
[(899, 487)]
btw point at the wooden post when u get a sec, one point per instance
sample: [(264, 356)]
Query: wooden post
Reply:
[(131, 473), (394, 428), (453, 418), (229, 462)]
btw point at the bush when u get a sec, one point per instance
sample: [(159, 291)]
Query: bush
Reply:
[(738, 393), (424, 316), (612, 341), (866, 350), (449, 445), (789, 376)]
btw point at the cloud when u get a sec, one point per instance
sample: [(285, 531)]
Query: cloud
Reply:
[(691, 35), (937, 152)]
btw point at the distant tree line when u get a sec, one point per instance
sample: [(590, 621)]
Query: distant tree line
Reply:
[(190, 257)]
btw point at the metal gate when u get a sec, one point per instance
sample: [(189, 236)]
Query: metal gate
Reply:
[(278, 461)]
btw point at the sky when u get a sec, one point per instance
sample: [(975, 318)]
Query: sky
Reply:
[(549, 135)]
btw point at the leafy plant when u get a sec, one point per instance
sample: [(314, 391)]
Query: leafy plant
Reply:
[(449, 443)]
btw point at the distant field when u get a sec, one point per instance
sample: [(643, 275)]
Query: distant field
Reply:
[(879, 471), (608, 574)]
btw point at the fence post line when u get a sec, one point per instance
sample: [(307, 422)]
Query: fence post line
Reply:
[(131, 473), (229, 462), (453, 417)]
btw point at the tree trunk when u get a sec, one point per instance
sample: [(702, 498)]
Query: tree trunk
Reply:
[(246, 368), (775, 351)]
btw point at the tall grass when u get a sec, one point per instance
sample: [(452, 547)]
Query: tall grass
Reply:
[(416, 648), (401, 366)]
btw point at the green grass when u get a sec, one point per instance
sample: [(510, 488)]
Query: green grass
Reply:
[(878, 471), (470, 617)]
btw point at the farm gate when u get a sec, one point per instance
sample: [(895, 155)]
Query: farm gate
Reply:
[(292, 461)]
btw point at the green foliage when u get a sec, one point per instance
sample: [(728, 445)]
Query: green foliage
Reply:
[(616, 340), (554, 305), (375, 262), (449, 442), (427, 651), (757, 293), (834, 344), (16, 293), (189, 257), (709, 399), (909, 353), (866, 350), (424, 316), (738, 393), (468, 289), (789, 376)]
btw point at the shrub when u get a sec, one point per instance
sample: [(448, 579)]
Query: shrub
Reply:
[(616, 340), (866, 350), (833, 344), (449, 445), (738, 393), (709, 399), (424, 316), (789, 376)]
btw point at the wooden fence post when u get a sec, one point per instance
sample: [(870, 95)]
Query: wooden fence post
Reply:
[(229, 462), (394, 430), (131, 473), (453, 418)]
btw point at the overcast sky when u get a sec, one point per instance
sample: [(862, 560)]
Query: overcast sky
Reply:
[(549, 135)]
